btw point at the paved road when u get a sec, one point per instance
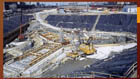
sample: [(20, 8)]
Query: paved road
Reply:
[(70, 66), (41, 20)]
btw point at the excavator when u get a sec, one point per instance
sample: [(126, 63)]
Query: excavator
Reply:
[(86, 47)]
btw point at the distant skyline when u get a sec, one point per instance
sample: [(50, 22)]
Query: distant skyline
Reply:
[(66, 3), (63, 3)]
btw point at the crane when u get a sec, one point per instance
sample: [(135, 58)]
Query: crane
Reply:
[(21, 37)]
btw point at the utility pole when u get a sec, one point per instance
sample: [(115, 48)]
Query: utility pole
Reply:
[(87, 6), (61, 35)]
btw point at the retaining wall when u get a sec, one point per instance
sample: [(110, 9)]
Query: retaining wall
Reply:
[(112, 22)]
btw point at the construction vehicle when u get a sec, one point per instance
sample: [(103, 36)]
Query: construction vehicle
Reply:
[(73, 54), (87, 48)]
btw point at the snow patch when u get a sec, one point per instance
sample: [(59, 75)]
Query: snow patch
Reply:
[(81, 58), (104, 52)]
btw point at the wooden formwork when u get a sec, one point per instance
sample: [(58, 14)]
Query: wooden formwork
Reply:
[(44, 55), (36, 54), (41, 56), (33, 52), (23, 56), (47, 36)]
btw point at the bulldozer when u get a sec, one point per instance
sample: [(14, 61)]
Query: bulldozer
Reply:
[(73, 54)]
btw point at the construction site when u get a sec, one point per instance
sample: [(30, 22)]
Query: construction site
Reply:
[(72, 42)]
